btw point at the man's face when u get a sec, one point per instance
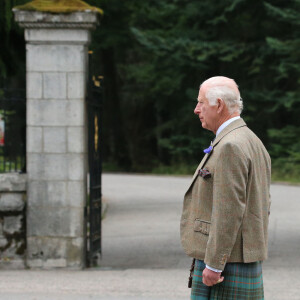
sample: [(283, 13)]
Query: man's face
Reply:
[(207, 114)]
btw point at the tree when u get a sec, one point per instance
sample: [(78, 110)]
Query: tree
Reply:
[(154, 54), (12, 50), (180, 44)]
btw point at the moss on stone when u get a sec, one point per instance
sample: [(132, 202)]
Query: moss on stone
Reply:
[(58, 6)]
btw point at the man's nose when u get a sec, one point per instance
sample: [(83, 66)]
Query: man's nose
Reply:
[(197, 110)]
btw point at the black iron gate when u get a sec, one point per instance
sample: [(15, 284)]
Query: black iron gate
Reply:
[(94, 207)]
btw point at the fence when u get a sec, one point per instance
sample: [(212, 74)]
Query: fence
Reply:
[(12, 130)]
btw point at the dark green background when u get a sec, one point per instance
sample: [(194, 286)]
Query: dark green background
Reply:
[(154, 55)]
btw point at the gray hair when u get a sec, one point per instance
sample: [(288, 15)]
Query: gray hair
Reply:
[(232, 98)]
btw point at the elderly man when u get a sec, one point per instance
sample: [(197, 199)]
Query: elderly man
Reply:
[(224, 224)]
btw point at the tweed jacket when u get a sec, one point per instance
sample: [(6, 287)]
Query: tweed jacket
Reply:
[(225, 214)]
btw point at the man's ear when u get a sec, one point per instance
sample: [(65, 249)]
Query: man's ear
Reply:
[(220, 105)]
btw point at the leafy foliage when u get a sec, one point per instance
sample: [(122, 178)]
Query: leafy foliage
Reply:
[(12, 50), (174, 45), (154, 54)]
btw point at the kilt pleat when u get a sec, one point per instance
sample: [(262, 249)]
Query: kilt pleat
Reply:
[(242, 281)]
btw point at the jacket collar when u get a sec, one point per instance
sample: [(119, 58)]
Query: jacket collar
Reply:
[(232, 126)]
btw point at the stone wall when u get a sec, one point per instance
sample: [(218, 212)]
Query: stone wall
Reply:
[(12, 221)]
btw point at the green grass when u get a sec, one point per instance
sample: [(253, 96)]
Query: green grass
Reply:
[(281, 176), (288, 173), (111, 167), (10, 166), (286, 170), (180, 169)]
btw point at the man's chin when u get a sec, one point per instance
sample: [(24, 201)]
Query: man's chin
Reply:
[(204, 126)]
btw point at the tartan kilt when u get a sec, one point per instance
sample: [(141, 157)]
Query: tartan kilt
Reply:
[(241, 281)]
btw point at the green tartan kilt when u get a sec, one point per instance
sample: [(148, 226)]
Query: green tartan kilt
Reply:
[(241, 281)]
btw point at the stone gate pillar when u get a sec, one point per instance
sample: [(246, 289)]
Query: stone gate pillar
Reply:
[(56, 73)]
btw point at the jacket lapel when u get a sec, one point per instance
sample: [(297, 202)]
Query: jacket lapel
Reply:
[(232, 126), (200, 165)]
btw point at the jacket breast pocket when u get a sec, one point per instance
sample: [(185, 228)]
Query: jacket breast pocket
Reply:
[(202, 226)]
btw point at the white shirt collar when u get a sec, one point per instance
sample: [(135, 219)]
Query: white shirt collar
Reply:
[(225, 124)]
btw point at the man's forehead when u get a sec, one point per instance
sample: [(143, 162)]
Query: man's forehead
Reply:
[(201, 94)]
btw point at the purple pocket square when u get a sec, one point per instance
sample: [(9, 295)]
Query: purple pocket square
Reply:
[(204, 173)]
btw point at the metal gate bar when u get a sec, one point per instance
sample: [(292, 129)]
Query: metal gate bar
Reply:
[(94, 207)]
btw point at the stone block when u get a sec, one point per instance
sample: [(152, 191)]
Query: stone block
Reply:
[(77, 166), (55, 252), (13, 182), (80, 36), (56, 166), (35, 263), (55, 140), (12, 263), (35, 166), (55, 263), (75, 252), (11, 202), (76, 222), (76, 112), (57, 193), (47, 166), (36, 19), (34, 85), (47, 112), (76, 193), (3, 242), (42, 248), (55, 112), (36, 193), (55, 58), (76, 85), (57, 221), (13, 224), (34, 139), (47, 193), (77, 139), (54, 85)]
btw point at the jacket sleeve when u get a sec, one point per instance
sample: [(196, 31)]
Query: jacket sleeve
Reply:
[(229, 203)]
